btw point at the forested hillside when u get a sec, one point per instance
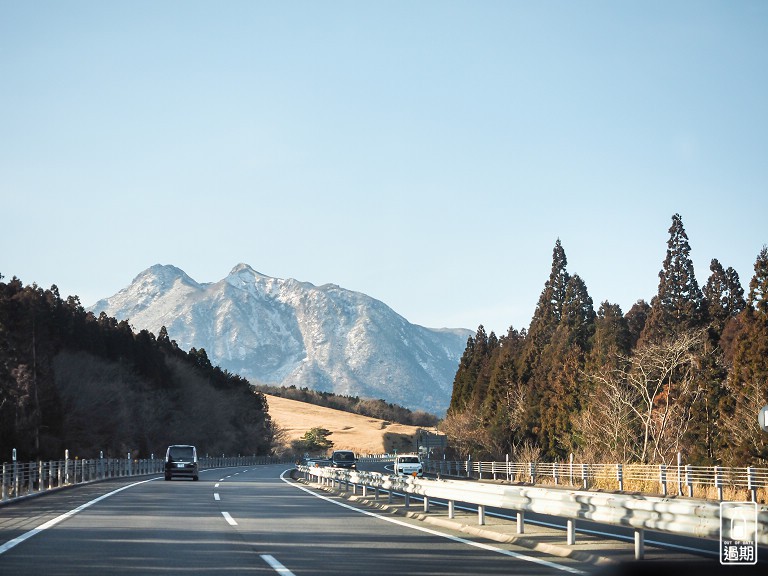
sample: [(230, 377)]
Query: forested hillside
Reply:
[(687, 372), (70, 380)]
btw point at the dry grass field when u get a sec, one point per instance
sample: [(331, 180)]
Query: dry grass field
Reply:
[(362, 434)]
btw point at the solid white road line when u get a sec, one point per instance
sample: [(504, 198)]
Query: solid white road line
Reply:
[(276, 566), (19, 539), (436, 533), (229, 519)]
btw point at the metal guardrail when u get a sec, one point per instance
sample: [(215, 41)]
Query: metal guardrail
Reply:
[(21, 479), (696, 518), (652, 478)]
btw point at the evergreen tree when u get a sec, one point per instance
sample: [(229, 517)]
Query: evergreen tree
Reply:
[(758, 286), (464, 381), (637, 317), (612, 336), (723, 297), (678, 304), (314, 441), (748, 378), (505, 396), (549, 309), (484, 363), (563, 363), (536, 363)]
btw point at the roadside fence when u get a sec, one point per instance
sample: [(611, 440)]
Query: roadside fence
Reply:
[(663, 479), (21, 479)]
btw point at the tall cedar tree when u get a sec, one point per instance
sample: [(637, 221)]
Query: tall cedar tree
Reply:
[(501, 405), (723, 297), (723, 301), (612, 337), (537, 362), (748, 377), (678, 304), (473, 376), (564, 360)]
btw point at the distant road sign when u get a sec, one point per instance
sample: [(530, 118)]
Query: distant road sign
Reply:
[(763, 418)]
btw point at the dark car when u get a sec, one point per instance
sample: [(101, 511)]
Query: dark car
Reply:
[(343, 459), (181, 460)]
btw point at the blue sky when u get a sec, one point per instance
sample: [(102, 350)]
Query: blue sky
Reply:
[(428, 154)]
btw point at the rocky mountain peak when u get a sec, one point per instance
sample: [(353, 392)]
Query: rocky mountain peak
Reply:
[(286, 332)]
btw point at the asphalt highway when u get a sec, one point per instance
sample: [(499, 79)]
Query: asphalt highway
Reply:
[(237, 521)]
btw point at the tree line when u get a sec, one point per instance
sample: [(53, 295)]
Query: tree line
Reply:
[(380, 408), (71, 380), (687, 372)]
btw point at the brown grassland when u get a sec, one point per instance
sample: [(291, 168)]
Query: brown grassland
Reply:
[(349, 431)]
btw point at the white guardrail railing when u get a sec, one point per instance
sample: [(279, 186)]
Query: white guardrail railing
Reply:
[(21, 479), (686, 517)]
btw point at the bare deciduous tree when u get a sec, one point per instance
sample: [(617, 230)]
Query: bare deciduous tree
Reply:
[(742, 425), (642, 409)]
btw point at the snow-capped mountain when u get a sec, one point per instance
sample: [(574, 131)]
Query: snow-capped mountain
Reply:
[(286, 332)]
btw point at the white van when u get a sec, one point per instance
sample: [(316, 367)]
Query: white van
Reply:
[(408, 465)]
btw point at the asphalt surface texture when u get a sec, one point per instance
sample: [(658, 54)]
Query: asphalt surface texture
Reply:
[(258, 520)]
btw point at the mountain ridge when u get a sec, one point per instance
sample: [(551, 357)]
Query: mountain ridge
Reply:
[(288, 332)]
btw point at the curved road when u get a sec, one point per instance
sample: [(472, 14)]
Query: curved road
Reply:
[(236, 521)]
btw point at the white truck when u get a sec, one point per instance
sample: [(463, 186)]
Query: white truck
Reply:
[(408, 465)]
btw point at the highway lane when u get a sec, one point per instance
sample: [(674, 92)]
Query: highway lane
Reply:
[(244, 522)]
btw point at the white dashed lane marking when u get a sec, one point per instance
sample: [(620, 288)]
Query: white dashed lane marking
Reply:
[(276, 565), (229, 519)]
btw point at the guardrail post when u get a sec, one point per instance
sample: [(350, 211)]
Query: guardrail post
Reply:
[(66, 466), (719, 483), (532, 472), (15, 488), (451, 509), (481, 515), (620, 477), (4, 480), (520, 522), (663, 478), (751, 483), (571, 532), (679, 474), (689, 480), (407, 500), (639, 543), (426, 504), (584, 481), (554, 473)]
